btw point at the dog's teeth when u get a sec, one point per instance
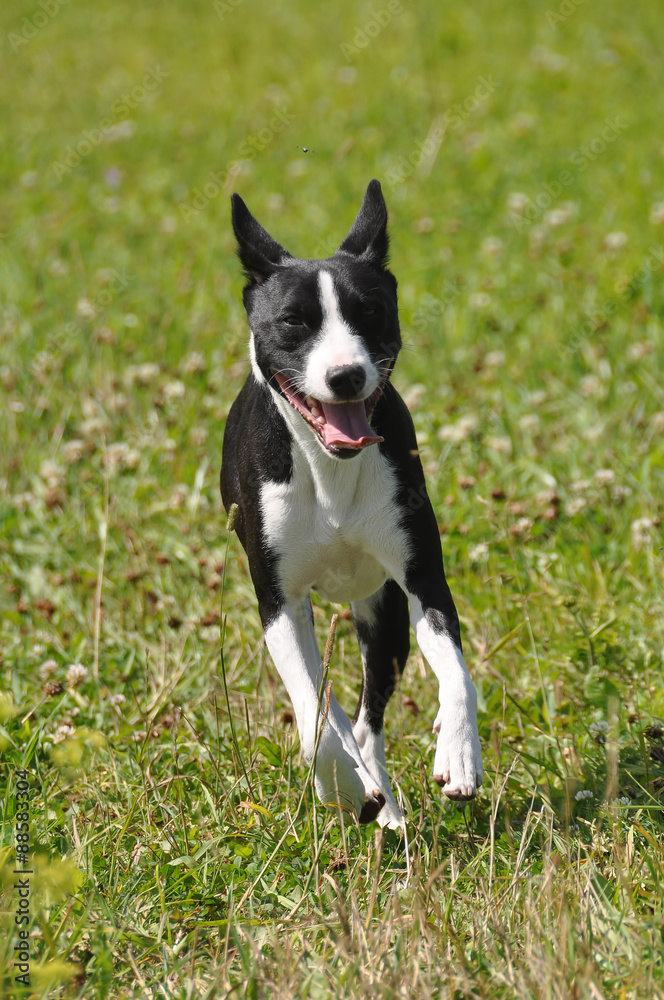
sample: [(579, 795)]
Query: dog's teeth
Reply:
[(310, 401), (315, 411), (320, 418)]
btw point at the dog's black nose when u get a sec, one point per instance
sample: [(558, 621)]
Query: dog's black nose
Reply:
[(346, 381)]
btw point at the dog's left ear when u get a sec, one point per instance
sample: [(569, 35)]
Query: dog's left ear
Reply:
[(259, 253), (368, 236)]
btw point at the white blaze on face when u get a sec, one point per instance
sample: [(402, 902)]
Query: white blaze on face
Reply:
[(337, 345)]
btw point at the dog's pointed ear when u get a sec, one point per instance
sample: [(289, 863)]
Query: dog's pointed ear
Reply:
[(259, 253), (368, 237)]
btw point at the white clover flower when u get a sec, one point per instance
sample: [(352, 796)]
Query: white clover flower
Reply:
[(639, 350), (412, 396), (73, 451), (58, 268), (522, 526), (495, 359), (47, 668), (559, 216), (529, 422), (120, 456), (614, 241), (138, 735), (620, 493), (598, 728), (624, 800), (198, 435), (85, 309), (549, 60), (117, 699), (499, 443), (62, 733), (179, 495), (590, 385), (546, 497), (522, 123), (140, 374), (641, 531), (348, 74), (76, 674), (555, 218), (657, 213), (574, 507), (479, 300), (93, 427), (51, 472), (22, 501), (517, 201), (123, 130), (605, 477), (491, 246), (193, 363), (479, 553), (583, 795), (174, 390), (458, 431)]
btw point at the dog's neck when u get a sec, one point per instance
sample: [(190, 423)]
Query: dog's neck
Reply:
[(337, 483)]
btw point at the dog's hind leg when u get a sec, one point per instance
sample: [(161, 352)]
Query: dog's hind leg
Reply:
[(383, 630), (342, 777)]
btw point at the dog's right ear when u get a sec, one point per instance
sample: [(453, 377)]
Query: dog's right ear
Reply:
[(259, 253), (368, 236)]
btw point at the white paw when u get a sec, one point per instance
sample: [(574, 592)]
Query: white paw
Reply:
[(391, 816), (372, 748), (458, 761), (343, 782)]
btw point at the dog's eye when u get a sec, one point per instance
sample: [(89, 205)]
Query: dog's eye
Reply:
[(291, 320), (369, 308)]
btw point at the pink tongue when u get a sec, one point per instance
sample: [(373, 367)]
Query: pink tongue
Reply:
[(347, 426)]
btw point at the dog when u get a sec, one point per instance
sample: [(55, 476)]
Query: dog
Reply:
[(320, 457)]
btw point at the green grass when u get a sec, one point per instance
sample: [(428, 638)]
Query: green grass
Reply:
[(176, 855)]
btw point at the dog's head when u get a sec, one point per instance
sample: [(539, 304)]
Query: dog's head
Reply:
[(325, 333)]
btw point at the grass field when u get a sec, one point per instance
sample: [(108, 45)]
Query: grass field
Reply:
[(176, 847)]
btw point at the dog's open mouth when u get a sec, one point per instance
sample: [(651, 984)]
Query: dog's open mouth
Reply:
[(340, 426)]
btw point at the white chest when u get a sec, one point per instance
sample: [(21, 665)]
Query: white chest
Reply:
[(335, 526)]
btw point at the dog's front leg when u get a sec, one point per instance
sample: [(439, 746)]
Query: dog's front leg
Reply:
[(341, 777), (458, 761)]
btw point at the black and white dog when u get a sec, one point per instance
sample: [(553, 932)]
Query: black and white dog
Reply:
[(321, 458)]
